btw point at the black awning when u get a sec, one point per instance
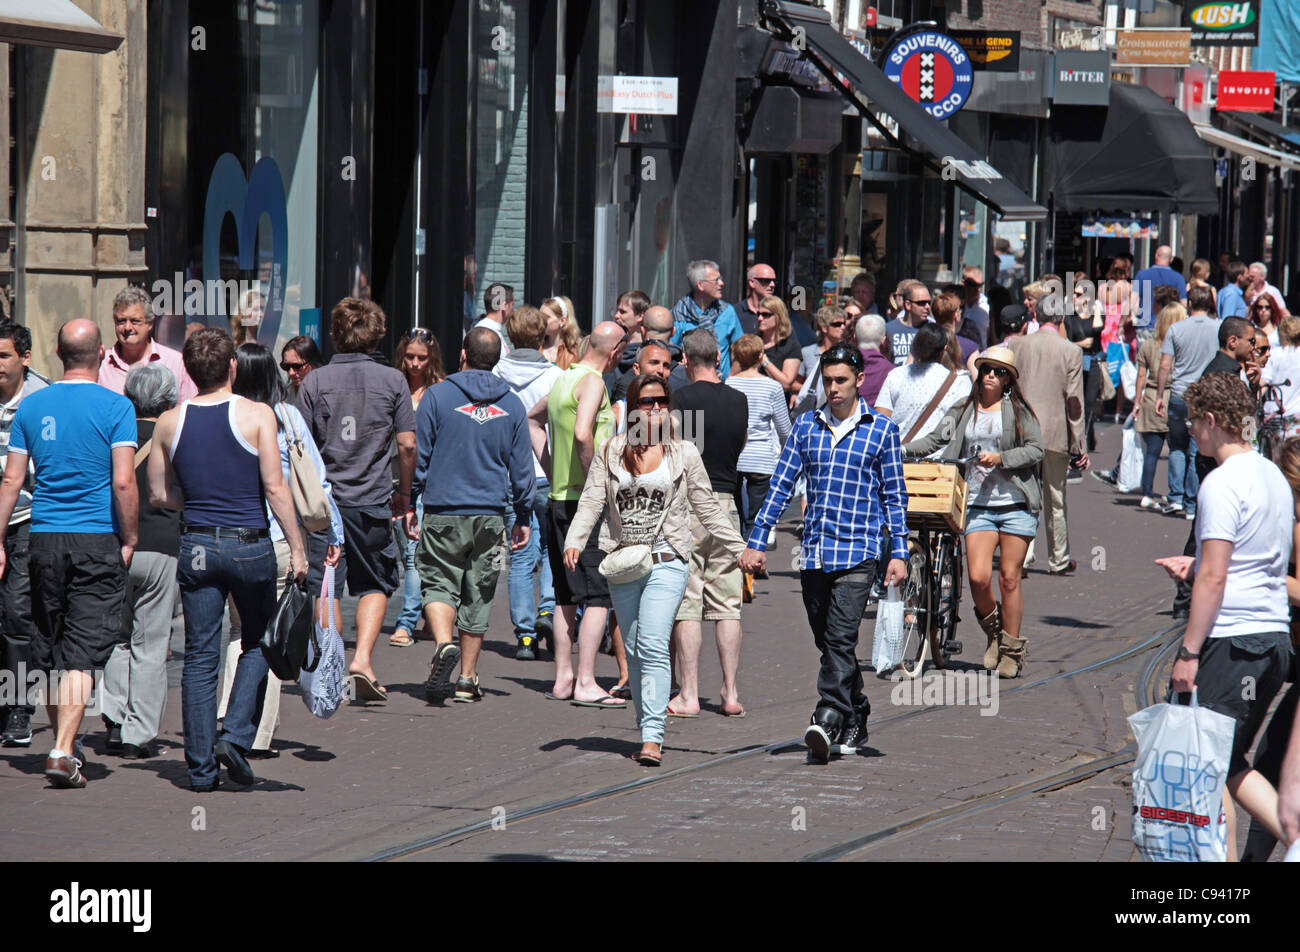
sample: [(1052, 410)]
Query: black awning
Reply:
[(58, 23), (1138, 154), (1265, 127), (867, 87)]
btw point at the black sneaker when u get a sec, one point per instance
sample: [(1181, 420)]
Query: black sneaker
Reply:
[(445, 661), (527, 650), (822, 734), (18, 728), (544, 625), (232, 758), (114, 741), (1106, 476), (467, 691), (855, 734)]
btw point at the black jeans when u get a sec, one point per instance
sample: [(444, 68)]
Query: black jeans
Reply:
[(751, 490), (16, 607), (834, 602), (1091, 394)]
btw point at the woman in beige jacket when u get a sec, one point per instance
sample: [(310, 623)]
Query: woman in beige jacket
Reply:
[(648, 483)]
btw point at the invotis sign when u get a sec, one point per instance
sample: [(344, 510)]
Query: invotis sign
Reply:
[(1081, 78), (1246, 90), (1223, 22), (932, 68)]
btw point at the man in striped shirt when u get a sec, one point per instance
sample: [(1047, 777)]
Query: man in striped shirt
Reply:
[(853, 466)]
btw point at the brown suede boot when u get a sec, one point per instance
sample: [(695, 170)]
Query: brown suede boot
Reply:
[(992, 625), (1011, 655)]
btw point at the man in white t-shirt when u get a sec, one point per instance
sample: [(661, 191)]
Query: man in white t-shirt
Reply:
[(1236, 649), (498, 305), (909, 389)]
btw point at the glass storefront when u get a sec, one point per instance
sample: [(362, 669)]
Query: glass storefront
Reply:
[(234, 164)]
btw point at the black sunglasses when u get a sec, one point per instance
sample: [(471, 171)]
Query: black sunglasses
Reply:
[(661, 401), (1000, 372), (289, 366), (843, 355), (766, 280), (420, 333)]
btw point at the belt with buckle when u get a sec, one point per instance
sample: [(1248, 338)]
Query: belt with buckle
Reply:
[(660, 557), (243, 535)]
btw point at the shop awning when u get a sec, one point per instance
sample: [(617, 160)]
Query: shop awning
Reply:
[(58, 23), (1265, 127), (1138, 154), (1244, 147), (863, 83)]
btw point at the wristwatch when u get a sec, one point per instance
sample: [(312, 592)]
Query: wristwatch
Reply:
[(1185, 655)]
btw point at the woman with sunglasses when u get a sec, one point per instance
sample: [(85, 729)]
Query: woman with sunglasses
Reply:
[(1003, 496), (419, 358), (648, 483), (781, 356), (1264, 314), (832, 327), (299, 357)]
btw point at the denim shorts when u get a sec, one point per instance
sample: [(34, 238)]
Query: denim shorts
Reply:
[(1012, 521)]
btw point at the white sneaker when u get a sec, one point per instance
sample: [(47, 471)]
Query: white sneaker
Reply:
[(1149, 503)]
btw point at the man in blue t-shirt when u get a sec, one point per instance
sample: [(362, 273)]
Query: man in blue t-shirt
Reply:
[(915, 312), (1147, 280), (81, 440), (1232, 296)]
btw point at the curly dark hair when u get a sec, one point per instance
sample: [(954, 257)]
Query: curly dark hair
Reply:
[(1225, 396)]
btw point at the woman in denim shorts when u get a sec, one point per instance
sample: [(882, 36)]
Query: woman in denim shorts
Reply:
[(997, 428)]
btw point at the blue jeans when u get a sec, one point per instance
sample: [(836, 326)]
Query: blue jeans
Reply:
[(1151, 444), (646, 611), (410, 614), (1183, 482), (209, 569), (524, 606)]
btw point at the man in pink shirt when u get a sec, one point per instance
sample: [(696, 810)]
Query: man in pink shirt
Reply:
[(133, 323)]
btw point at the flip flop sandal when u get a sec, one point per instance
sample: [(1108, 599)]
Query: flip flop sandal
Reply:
[(738, 714), (367, 689), (555, 697), (604, 702), (647, 759), (672, 713), (395, 642)]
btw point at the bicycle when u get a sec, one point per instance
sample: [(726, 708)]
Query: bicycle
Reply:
[(932, 588)]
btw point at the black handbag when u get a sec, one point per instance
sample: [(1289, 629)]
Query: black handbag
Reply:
[(287, 634)]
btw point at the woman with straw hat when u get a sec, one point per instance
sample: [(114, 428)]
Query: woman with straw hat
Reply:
[(997, 427)]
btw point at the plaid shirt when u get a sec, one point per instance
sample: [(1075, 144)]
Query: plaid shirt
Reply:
[(853, 485)]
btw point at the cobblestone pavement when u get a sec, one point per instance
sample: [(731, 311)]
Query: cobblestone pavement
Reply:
[(381, 776)]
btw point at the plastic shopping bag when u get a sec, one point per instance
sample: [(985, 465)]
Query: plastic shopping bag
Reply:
[(1178, 782), (324, 677), (887, 646), (1129, 477), (1116, 354), (1128, 378)]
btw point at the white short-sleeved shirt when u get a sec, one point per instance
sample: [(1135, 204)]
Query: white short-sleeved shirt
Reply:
[(1247, 501), (908, 390)]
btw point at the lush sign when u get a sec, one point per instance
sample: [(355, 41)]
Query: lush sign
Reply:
[(1224, 22)]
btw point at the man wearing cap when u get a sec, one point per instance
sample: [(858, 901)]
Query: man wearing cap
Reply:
[(1051, 376), (853, 466)]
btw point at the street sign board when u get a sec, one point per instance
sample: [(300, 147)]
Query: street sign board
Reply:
[(1246, 90), (1147, 47), (1081, 78), (1223, 22), (992, 50), (932, 68)]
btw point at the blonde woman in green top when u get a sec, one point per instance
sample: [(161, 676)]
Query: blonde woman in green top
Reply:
[(580, 419)]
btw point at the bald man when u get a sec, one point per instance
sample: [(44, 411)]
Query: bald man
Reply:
[(1147, 280), (760, 281), (81, 441), (580, 417)]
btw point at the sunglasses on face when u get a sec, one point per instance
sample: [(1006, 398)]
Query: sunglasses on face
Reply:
[(766, 280), (1264, 349), (289, 366), (764, 313), (1000, 372), (836, 324), (972, 283), (661, 401), (925, 303)]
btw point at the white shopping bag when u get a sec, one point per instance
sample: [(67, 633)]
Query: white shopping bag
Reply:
[(1178, 781), (887, 646), (324, 685), (1128, 379), (1129, 477)]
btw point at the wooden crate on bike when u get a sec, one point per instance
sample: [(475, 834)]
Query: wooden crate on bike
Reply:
[(936, 496)]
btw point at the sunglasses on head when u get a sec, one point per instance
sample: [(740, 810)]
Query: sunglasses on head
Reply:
[(1000, 372), (843, 355), (653, 401)]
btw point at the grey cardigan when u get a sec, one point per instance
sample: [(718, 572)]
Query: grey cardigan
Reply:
[(1019, 461), (692, 491)]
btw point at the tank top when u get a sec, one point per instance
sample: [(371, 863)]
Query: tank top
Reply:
[(567, 477), (217, 470)]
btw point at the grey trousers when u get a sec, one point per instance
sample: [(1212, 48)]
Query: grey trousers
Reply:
[(135, 677), (271, 705)]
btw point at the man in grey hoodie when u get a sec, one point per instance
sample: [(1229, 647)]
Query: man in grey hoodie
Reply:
[(531, 376), (473, 462)]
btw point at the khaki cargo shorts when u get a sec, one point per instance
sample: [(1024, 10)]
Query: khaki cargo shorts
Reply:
[(713, 592)]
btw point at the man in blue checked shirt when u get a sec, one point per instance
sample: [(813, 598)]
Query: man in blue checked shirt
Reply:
[(853, 467)]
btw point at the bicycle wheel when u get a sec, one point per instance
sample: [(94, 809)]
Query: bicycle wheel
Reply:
[(916, 611), (945, 593)]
